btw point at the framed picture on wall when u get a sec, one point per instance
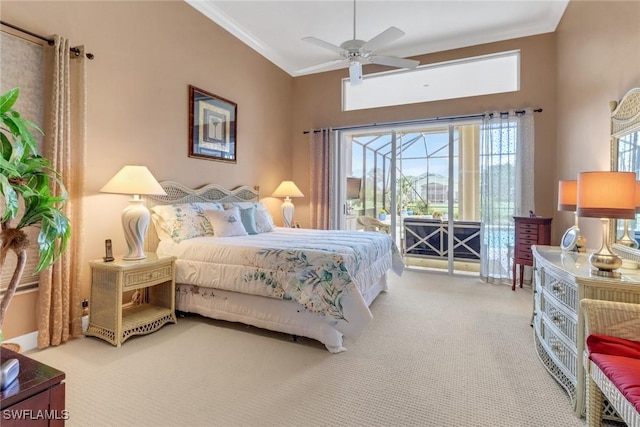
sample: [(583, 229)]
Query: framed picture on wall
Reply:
[(212, 126)]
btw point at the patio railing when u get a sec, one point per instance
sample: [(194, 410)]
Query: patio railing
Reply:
[(429, 238)]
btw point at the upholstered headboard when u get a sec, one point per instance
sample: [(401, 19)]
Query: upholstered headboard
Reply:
[(178, 193)]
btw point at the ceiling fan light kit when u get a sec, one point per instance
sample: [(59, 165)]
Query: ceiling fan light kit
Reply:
[(355, 73), (358, 52)]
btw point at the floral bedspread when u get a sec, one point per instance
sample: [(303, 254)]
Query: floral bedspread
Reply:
[(325, 271)]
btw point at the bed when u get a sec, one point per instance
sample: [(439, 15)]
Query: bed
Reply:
[(233, 264)]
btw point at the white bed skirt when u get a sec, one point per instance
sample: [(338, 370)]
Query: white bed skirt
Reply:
[(267, 313)]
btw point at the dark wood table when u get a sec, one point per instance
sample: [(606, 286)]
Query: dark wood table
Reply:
[(36, 397)]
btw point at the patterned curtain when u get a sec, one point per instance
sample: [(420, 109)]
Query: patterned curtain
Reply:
[(60, 306), (506, 187), (322, 185)]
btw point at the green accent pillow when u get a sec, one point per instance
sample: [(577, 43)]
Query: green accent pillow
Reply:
[(248, 218)]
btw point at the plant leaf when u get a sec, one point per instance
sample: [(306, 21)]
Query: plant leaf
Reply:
[(8, 99), (10, 199)]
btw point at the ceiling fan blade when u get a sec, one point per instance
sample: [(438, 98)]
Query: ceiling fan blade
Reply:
[(385, 37), (320, 66), (355, 73), (323, 44), (394, 62)]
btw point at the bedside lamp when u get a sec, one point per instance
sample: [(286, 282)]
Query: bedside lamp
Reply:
[(287, 189), (567, 201), (135, 180), (606, 195), (626, 239)]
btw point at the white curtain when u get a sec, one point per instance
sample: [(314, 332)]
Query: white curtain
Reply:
[(59, 305), (322, 185), (506, 187)]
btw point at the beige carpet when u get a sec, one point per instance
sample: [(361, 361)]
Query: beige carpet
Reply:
[(441, 351)]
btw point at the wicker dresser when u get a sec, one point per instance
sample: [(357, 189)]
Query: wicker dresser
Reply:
[(529, 231), (561, 280), (152, 283)]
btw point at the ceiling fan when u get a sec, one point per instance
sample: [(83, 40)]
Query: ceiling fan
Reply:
[(358, 52)]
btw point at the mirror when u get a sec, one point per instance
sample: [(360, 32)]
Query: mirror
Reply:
[(625, 156)]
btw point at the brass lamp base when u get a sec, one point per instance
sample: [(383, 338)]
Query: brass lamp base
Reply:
[(626, 240), (604, 262), (606, 273)]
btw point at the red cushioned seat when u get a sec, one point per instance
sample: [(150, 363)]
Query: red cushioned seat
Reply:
[(615, 346), (623, 372)]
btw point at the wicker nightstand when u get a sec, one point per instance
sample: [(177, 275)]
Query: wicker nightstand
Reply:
[(152, 282)]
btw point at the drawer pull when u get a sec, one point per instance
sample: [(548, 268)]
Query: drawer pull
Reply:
[(558, 320), (557, 349)]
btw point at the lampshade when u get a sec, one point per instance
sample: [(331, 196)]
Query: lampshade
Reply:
[(133, 180), (353, 188), (567, 195), (567, 201), (637, 196), (287, 189), (136, 180), (607, 194)]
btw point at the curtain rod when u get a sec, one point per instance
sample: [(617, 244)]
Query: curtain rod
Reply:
[(434, 119), (49, 41)]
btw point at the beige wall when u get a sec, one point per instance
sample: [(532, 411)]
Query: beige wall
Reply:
[(317, 103), (147, 53), (598, 62)]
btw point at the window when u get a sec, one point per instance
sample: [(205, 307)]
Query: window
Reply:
[(480, 75), (22, 67)]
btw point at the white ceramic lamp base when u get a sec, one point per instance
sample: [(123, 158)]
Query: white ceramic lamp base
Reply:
[(135, 222), (287, 212)]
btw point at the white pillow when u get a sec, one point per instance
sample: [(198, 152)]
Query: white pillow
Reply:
[(264, 222), (158, 226), (226, 223), (185, 220)]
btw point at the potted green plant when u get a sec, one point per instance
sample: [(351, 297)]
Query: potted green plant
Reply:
[(25, 183), (382, 215)]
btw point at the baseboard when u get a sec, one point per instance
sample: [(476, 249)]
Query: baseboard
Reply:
[(27, 342)]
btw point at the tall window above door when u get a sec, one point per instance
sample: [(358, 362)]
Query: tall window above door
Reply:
[(479, 75)]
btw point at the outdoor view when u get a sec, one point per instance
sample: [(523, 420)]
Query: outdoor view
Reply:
[(482, 175), (422, 173)]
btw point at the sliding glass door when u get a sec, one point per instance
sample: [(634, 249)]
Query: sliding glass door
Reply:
[(446, 190), (421, 184)]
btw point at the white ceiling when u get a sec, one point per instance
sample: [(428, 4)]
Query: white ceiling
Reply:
[(275, 28)]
